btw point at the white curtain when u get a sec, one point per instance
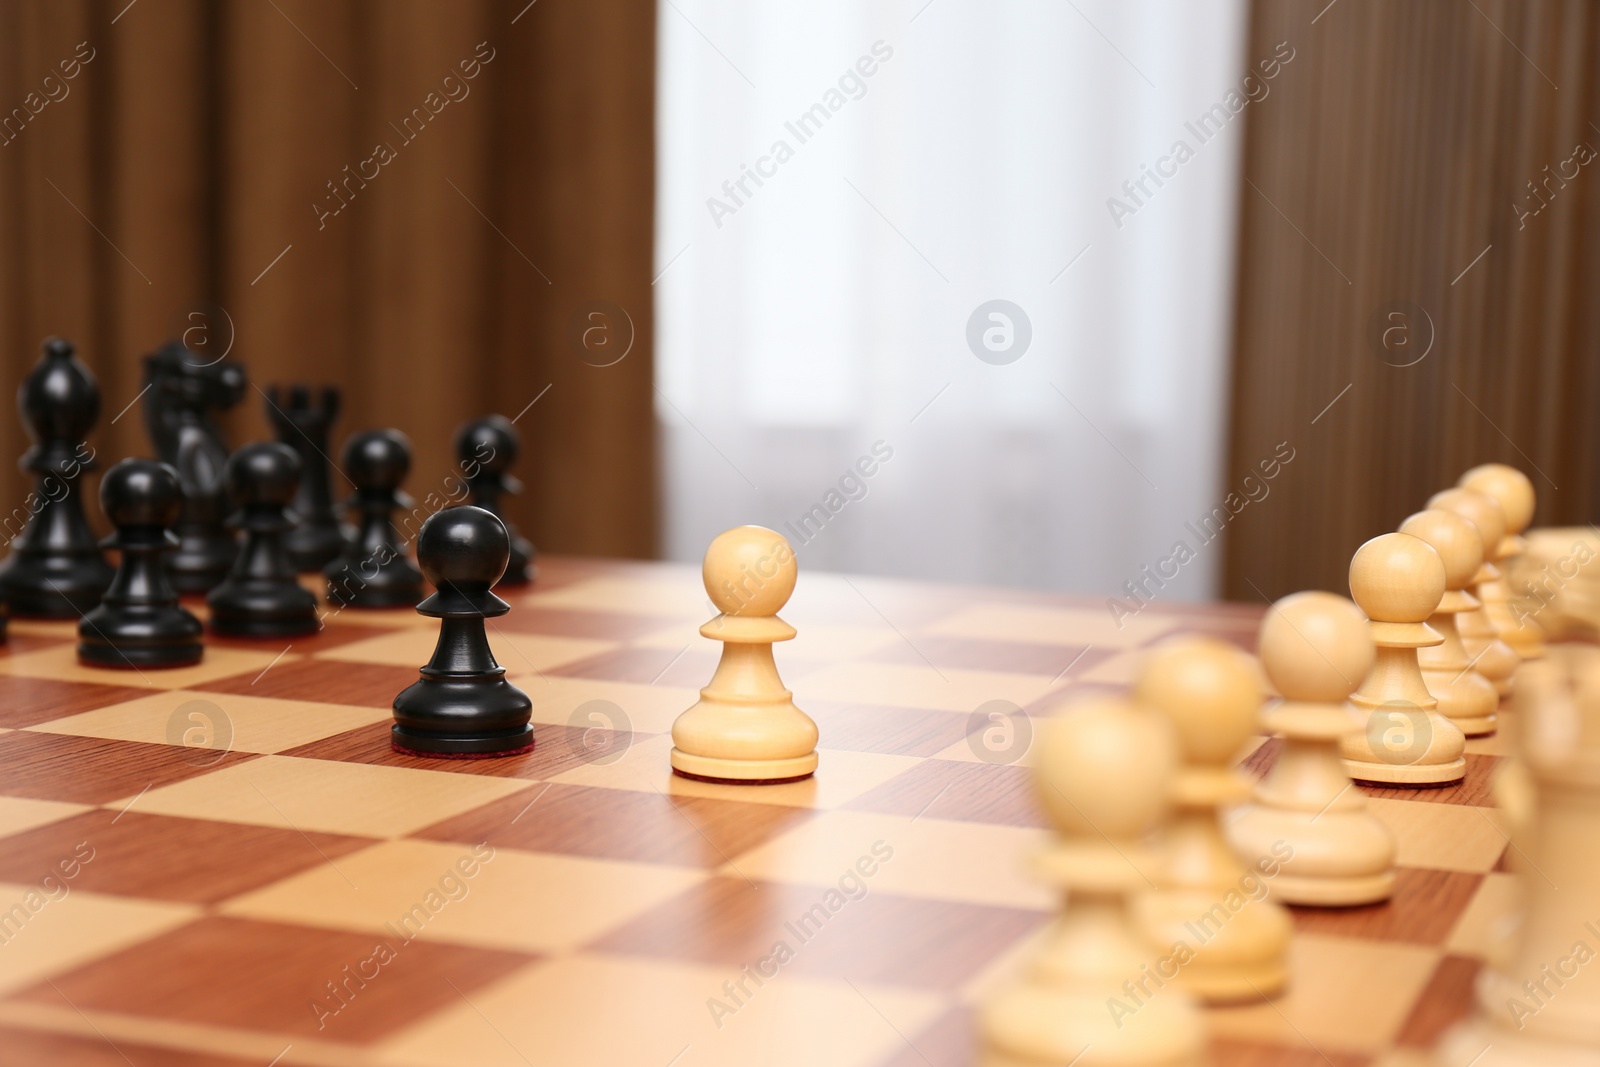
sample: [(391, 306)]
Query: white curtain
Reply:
[(916, 161)]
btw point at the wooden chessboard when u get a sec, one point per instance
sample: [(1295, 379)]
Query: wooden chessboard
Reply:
[(241, 841)]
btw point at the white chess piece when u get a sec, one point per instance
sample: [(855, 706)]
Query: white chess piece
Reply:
[(1094, 995), (1307, 817), (745, 728), (1208, 899)]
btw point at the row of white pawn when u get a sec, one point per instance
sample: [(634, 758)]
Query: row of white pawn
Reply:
[(1199, 914)]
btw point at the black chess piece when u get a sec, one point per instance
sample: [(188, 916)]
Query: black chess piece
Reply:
[(261, 596), (317, 539), (487, 448), (185, 393), (56, 570), (372, 571), (139, 622), (462, 707)]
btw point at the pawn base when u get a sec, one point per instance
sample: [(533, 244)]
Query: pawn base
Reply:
[(121, 638), (443, 746), (743, 772), (1407, 773), (1332, 892), (1482, 726)]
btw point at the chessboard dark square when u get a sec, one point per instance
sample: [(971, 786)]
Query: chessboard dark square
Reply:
[(1424, 909), (967, 653), (270, 977), (31, 1048), (556, 749), (1446, 1000), (368, 685), (688, 668), (622, 824), (1475, 788), (164, 858), (596, 625), (329, 637), (950, 789), (879, 937), (891, 731), (29, 701), (93, 770)]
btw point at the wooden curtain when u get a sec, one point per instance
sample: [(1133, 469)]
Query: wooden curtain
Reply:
[(216, 168), (1419, 253)]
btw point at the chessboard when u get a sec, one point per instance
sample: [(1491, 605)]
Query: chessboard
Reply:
[(227, 864)]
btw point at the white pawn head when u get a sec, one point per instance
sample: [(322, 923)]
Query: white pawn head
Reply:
[(1456, 540), (1397, 578), (1104, 766), (1509, 487), (1316, 647), (1479, 509), (1209, 690), (749, 571)]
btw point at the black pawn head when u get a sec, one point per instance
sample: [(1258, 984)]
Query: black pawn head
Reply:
[(463, 551), (59, 399), (378, 459), (491, 443), (141, 493), (263, 474)]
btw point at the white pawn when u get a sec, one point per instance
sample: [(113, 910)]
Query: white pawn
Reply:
[(1491, 656), (1094, 995), (745, 727), (1307, 818), (1512, 490), (1398, 580), (1465, 697), (1208, 900)]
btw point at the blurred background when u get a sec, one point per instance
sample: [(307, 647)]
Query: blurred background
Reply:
[(1029, 294)]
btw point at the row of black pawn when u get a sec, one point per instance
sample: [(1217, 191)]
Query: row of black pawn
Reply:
[(132, 618)]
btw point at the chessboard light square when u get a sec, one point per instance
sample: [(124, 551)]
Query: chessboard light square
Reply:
[(1490, 919), (517, 900), (1333, 1003), (930, 858), (841, 777), (673, 593), (1118, 670), (61, 662), (246, 724), (1448, 837), (1054, 626), (585, 1010), (46, 935), (517, 652), (649, 709), (361, 799), (918, 686), (18, 814)]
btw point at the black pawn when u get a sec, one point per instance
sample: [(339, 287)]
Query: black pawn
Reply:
[(139, 622), (303, 425), (487, 448), (462, 706), (261, 597), (56, 569), (373, 571)]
